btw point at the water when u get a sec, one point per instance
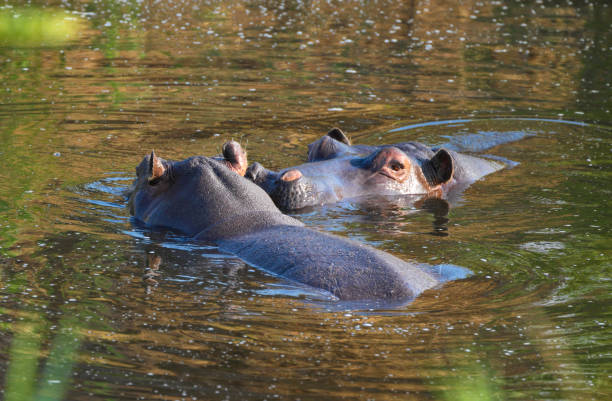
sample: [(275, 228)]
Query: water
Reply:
[(93, 307)]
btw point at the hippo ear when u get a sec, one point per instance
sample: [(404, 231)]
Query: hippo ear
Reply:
[(338, 135), (235, 157), (156, 168), (328, 146), (441, 167)]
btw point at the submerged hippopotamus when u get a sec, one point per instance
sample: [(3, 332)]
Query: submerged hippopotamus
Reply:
[(209, 200), (338, 170)]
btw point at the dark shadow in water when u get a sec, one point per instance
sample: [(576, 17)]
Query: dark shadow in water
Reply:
[(388, 213), (439, 208)]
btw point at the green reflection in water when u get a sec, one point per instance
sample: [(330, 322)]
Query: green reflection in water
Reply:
[(468, 383), (112, 17), (595, 91), (25, 349), (21, 375), (20, 181), (57, 371), (31, 27)]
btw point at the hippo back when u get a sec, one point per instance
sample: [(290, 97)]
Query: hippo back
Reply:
[(346, 268)]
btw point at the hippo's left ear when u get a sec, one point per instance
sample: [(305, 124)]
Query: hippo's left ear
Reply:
[(338, 135), (334, 143), (156, 168), (441, 167), (235, 157)]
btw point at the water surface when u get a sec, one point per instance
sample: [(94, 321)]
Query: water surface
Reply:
[(92, 307)]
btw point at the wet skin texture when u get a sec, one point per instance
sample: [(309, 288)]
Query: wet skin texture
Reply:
[(338, 170), (208, 200)]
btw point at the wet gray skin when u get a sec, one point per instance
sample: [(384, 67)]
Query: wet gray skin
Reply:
[(208, 200), (338, 170)]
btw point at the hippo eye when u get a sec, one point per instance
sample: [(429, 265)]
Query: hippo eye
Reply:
[(396, 166), (154, 181)]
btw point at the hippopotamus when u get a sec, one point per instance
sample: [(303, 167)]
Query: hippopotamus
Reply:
[(337, 170), (207, 199)]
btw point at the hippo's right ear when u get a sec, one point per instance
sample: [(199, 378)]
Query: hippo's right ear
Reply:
[(235, 157), (156, 169), (442, 167)]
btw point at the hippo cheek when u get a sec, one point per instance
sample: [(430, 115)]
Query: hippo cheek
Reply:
[(150, 209), (143, 206)]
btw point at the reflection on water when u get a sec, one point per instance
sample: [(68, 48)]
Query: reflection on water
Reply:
[(93, 307), (32, 27)]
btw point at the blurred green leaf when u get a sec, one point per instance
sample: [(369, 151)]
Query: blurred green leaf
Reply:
[(32, 27), (23, 354)]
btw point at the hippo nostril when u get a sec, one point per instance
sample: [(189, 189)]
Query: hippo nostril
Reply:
[(291, 175)]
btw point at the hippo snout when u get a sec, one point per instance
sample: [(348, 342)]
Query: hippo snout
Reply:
[(261, 176), (255, 172), (283, 188), (293, 191)]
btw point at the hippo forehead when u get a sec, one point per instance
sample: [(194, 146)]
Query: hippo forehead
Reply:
[(206, 169), (196, 163), (416, 158), (415, 150), (215, 183)]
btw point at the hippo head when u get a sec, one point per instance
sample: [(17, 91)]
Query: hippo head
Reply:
[(194, 194), (385, 171)]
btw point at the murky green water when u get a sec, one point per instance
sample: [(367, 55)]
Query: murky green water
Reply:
[(81, 318)]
